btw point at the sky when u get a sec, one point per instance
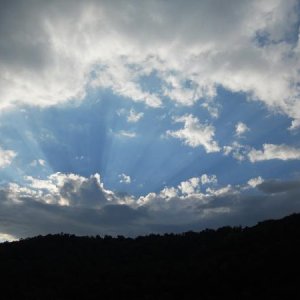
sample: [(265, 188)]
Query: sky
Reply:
[(138, 117)]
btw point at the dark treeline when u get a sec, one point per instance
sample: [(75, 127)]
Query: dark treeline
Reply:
[(259, 262)]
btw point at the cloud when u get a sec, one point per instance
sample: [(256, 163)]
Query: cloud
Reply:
[(169, 192), (208, 179), (195, 134), (82, 205), (186, 92), (6, 157), (190, 186), (125, 178), (122, 80), (254, 182), (134, 116), (241, 128), (51, 52), (278, 186), (38, 162), (66, 189), (271, 151), (238, 151), (126, 134)]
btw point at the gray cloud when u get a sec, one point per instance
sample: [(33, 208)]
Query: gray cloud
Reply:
[(278, 186), (37, 208)]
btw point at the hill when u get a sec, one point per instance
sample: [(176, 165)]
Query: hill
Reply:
[(241, 263)]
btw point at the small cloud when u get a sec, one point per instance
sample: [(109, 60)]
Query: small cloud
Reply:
[(226, 190), (241, 128), (238, 151), (190, 186), (38, 162), (134, 116), (169, 192), (6, 157), (125, 178), (212, 108), (126, 134), (253, 182), (271, 151), (195, 134), (207, 179), (295, 124)]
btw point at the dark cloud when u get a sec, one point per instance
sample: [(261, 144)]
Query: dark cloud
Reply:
[(278, 186), (88, 193)]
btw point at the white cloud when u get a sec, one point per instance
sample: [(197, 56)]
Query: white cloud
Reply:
[(175, 88), (126, 134), (212, 108), (238, 151), (66, 189), (67, 46), (223, 191), (195, 134), (134, 116), (38, 162), (253, 182), (208, 179), (169, 192), (271, 151), (125, 178), (6, 157), (190, 186), (241, 128), (122, 80)]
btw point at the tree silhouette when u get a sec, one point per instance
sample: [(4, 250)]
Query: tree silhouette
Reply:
[(241, 263)]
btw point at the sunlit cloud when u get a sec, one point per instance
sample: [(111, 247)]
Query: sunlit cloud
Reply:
[(253, 182), (6, 157), (124, 178), (270, 151), (241, 128), (126, 134), (134, 116), (195, 134)]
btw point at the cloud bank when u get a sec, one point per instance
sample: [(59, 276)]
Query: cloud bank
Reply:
[(52, 51), (82, 205)]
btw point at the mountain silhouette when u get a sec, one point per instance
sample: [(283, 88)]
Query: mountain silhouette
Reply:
[(259, 262)]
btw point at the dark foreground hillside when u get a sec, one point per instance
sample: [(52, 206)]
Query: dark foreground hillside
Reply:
[(261, 262)]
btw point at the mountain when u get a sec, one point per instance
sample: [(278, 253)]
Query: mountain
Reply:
[(259, 262)]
